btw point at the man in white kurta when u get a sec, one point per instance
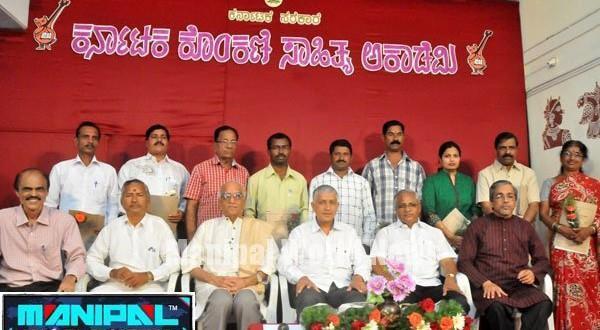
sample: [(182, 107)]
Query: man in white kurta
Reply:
[(324, 257), (230, 258), (141, 249)]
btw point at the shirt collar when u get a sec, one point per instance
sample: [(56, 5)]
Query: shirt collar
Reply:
[(332, 172), (215, 161), (288, 173), (401, 224), (314, 226), (229, 220), (404, 156), (142, 222), (79, 161), (153, 158), (497, 166), (22, 217)]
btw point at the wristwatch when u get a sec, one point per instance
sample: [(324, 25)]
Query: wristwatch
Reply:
[(451, 275), (260, 279)]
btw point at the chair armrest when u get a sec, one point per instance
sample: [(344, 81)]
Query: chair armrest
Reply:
[(289, 313), (463, 283), (82, 284), (271, 316), (172, 282), (185, 282)]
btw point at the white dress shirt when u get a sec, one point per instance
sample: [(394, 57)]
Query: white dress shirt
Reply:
[(419, 248), (164, 178), (92, 189), (147, 247), (356, 204), (324, 259), (216, 249)]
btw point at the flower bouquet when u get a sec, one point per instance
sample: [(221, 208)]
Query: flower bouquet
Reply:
[(320, 317), (427, 315), (570, 207), (398, 289)]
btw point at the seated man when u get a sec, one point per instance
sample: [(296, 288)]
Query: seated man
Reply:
[(32, 239), (495, 256), (325, 257), (232, 258), (422, 249), (141, 248)]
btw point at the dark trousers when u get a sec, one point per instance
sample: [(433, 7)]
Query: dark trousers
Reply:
[(436, 294), (334, 297), (51, 286), (499, 316)]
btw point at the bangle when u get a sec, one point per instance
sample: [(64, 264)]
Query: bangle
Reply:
[(595, 228), (555, 227)]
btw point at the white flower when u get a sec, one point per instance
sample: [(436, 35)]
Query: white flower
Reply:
[(372, 325), (423, 326), (329, 327), (459, 322)]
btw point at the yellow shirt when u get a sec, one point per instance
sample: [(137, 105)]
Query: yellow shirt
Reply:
[(269, 194)]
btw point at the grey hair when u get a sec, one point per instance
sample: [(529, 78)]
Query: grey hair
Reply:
[(222, 188), (405, 191), (499, 183), (324, 188), (136, 181)]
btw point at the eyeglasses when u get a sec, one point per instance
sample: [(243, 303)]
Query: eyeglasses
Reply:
[(407, 205), (226, 142), (568, 154), (236, 196), (508, 197)]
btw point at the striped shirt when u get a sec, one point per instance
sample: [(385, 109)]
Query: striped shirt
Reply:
[(386, 181), (205, 182), (497, 249), (356, 204)]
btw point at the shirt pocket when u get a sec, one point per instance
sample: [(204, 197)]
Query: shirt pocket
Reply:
[(51, 254)]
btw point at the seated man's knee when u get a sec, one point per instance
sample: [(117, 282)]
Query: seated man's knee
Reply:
[(308, 297), (245, 299), (220, 299)]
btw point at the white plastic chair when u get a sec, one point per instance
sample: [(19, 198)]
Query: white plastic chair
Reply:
[(547, 287), (82, 284), (271, 313)]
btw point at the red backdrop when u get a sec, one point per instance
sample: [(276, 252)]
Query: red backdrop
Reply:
[(45, 94)]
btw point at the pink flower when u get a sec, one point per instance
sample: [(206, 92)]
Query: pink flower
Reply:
[(395, 266), (571, 216), (376, 284), (570, 208), (400, 287), (407, 282)]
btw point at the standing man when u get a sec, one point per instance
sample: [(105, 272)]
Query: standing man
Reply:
[(202, 192), (505, 167), (505, 260), (84, 183), (33, 239), (141, 251), (277, 193), (354, 193), (324, 257), (391, 172), (162, 175)]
